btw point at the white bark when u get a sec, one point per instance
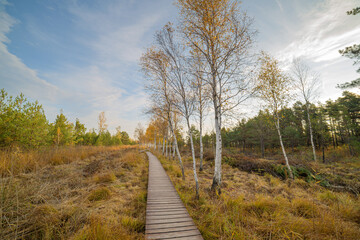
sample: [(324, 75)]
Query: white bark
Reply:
[(163, 146), (311, 132), (218, 151), (201, 145), (166, 143), (307, 82), (277, 123), (193, 157), (173, 149), (155, 142), (176, 146)]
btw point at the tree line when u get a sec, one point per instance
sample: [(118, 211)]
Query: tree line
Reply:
[(207, 66), (23, 123), (335, 123)]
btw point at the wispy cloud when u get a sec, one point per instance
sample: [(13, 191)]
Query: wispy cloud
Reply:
[(325, 30), (118, 35), (278, 2), (13, 72), (107, 81)]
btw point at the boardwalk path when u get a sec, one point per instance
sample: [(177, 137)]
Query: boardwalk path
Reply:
[(166, 215)]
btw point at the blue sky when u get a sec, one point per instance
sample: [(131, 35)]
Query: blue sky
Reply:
[(82, 56)]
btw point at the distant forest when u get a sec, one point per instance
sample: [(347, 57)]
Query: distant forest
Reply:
[(24, 124), (335, 123)]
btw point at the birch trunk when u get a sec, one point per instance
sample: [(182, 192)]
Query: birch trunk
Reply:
[(311, 132), (155, 142), (174, 151), (177, 148), (166, 144), (218, 149), (170, 147), (201, 144), (163, 146), (282, 146), (194, 159)]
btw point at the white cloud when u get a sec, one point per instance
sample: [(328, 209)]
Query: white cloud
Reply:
[(118, 34), (324, 31), (14, 74), (84, 91)]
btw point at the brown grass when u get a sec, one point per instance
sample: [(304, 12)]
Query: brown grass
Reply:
[(14, 161), (81, 199), (252, 206)]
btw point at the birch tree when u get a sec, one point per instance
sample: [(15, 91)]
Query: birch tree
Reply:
[(273, 87), (102, 123), (197, 71), (222, 35), (307, 83), (154, 64), (179, 82)]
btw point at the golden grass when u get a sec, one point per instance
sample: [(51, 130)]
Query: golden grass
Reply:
[(265, 207), (105, 178), (14, 161), (82, 199), (99, 194)]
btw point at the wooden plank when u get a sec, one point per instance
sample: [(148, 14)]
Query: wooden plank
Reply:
[(169, 226), (166, 215), (176, 229), (170, 235)]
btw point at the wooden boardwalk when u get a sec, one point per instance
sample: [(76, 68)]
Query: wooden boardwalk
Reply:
[(166, 215)]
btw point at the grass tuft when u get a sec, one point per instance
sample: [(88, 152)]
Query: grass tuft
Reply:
[(105, 178), (99, 194)]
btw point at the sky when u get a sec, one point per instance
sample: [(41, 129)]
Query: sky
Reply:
[(82, 57)]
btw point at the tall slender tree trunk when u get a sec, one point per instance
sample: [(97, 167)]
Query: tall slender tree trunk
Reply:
[(173, 147), (169, 148), (163, 146), (332, 132), (216, 185), (323, 148), (201, 144), (177, 147), (154, 142), (262, 147), (277, 123), (310, 130), (166, 144), (193, 157)]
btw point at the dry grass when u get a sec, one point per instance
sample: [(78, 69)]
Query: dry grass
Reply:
[(99, 197), (266, 207), (14, 161)]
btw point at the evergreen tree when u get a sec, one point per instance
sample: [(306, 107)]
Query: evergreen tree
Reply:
[(352, 52), (79, 133), (62, 131), (22, 122)]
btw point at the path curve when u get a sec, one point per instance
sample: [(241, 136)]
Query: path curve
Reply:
[(166, 215)]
